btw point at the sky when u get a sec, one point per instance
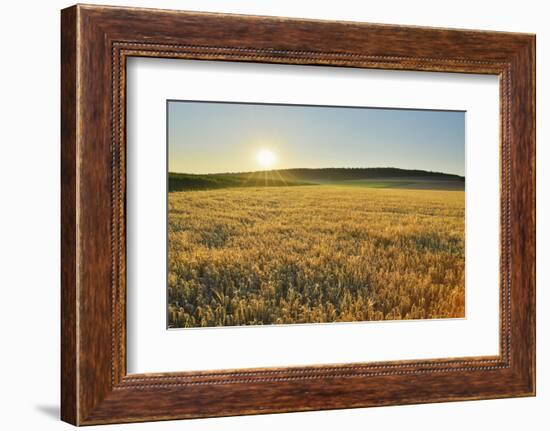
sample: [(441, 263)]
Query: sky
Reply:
[(215, 137)]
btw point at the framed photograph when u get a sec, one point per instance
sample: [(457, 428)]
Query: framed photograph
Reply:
[(264, 215)]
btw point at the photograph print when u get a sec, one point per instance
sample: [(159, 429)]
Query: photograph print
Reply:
[(299, 214)]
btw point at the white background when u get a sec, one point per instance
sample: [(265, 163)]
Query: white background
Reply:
[(29, 224), (151, 348)]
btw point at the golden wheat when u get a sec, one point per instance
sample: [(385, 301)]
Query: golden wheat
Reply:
[(280, 255)]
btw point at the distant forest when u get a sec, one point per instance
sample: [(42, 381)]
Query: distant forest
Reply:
[(301, 176)]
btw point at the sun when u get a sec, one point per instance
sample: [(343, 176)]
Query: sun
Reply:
[(266, 158)]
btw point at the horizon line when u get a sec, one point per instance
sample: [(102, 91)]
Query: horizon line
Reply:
[(326, 168)]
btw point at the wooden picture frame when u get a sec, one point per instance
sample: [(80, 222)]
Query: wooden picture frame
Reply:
[(95, 43)]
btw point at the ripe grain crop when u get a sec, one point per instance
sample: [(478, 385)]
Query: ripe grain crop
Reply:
[(308, 254)]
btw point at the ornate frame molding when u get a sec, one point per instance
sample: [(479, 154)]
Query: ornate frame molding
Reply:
[(96, 41)]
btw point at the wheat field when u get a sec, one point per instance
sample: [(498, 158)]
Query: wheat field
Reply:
[(311, 254)]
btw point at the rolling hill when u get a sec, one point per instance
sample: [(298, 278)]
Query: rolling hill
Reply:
[(359, 177)]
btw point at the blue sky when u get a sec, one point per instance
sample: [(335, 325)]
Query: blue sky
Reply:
[(210, 137)]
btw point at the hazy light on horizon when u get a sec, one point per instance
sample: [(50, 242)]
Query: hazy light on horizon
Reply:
[(214, 137)]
